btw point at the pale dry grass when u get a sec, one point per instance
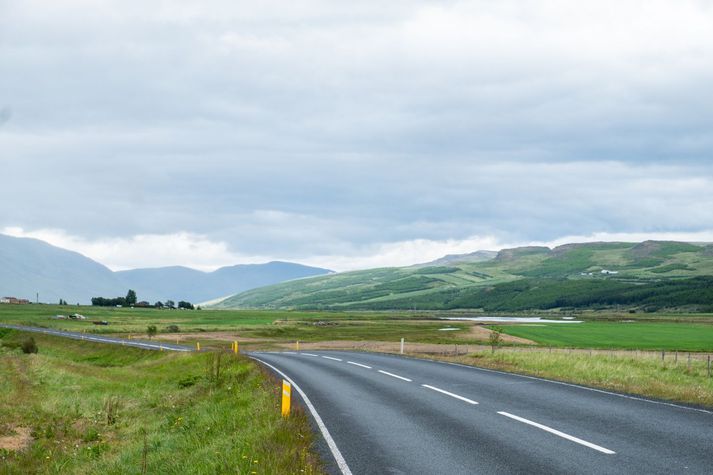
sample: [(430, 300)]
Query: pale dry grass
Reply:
[(19, 438)]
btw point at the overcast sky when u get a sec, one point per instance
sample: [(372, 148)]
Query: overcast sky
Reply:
[(352, 134)]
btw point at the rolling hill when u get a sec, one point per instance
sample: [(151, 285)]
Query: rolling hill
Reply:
[(189, 284), (30, 266), (648, 275)]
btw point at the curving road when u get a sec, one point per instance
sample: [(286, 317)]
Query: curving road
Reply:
[(388, 414), (146, 345)]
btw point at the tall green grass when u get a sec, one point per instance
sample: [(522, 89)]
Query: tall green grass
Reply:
[(628, 373), (97, 409)]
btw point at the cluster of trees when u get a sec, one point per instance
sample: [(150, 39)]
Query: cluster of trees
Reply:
[(172, 304), (62, 302), (129, 300)]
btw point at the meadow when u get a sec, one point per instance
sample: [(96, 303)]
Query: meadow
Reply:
[(619, 335), (79, 407), (600, 330)]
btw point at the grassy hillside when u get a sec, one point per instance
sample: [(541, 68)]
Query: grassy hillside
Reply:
[(651, 275), (78, 407)]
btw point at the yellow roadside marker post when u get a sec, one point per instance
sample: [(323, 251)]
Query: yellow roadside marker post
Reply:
[(297, 345), (235, 347), (198, 346), (286, 398)]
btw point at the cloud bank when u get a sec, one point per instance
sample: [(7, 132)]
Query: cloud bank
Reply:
[(351, 135)]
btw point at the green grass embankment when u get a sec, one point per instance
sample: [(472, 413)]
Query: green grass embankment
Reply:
[(98, 409)]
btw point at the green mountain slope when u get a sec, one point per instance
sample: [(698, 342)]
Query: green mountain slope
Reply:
[(650, 275)]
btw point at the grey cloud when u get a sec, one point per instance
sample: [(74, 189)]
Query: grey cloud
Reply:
[(5, 115), (317, 128)]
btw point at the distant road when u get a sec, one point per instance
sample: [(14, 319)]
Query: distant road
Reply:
[(382, 414), (146, 345)]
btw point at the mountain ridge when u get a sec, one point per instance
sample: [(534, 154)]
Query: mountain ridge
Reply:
[(30, 266), (529, 277)]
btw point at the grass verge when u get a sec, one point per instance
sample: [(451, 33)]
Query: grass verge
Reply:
[(631, 374), (91, 408)]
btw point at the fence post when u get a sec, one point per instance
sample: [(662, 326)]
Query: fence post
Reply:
[(709, 366), (663, 354), (689, 362), (286, 398), (402, 346)]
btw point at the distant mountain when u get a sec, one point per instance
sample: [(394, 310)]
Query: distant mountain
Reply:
[(477, 256), (647, 276), (182, 283), (30, 266)]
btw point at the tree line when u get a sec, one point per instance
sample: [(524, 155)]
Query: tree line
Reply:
[(131, 300)]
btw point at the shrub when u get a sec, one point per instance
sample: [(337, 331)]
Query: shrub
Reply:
[(172, 329), (29, 346)]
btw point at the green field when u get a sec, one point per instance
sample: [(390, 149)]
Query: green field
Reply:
[(619, 335), (136, 319), (685, 332), (100, 409)]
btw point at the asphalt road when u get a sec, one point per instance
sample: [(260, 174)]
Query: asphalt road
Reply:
[(383, 414), (146, 345)]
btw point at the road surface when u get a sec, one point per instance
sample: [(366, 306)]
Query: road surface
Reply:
[(384, 414), (146, 345), (387, 414)]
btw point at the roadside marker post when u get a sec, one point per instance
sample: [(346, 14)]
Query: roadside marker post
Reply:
[(297, 345), (402, 346), (198, 346), (235, 347), (286, 398)]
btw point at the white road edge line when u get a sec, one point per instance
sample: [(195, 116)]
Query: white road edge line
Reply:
[(341, 463), (465, 399), (558, 433), (393, 375), (308, 354), (359, 364), (331, 358)]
